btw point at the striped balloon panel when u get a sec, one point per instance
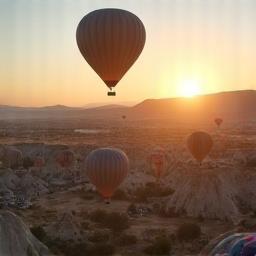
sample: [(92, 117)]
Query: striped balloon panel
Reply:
[(106, 168), (249, 248), (110, 40), (199, 144)]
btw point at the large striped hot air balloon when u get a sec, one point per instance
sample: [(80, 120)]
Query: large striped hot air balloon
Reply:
[(65, 158), (106, 168), (199, 145), (158, 162), (110, 40)]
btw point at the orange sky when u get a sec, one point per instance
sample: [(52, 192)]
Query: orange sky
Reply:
[(208, 44)]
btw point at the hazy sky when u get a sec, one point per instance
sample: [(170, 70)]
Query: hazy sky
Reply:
[(211, 42)]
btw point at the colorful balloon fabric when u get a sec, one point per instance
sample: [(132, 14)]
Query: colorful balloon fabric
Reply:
[(106, 168), (110, 40), (238, 244)]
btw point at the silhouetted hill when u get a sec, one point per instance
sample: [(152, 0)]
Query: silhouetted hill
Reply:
[(235, 105)]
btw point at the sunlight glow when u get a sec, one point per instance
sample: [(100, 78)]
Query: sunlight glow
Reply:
[(189, 88)]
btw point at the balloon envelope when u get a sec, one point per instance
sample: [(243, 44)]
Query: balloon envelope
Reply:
[(239, 246), (39, 161), (106, 168), (218, 121), (199, 145), (65, 158), (158, 161), (110, 40)]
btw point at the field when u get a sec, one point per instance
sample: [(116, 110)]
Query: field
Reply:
[(66, 211)]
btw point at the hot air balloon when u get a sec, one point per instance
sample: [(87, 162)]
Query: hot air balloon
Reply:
[(199, 145), (239, 246), (65, 158), (110, 40), (11, 157), (158, 162), (249, 249), (123, 116), (106, 168), (218, 121), (222, 244), (39, 162)]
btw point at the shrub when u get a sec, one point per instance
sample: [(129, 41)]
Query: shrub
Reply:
[(161, 246), (120, 195), (98, 237), (39, 233), (98, 216), (126, 239), (117, 222), (74, 249), (27, 162), (132, 209), (188, 232), (151, 190), (85, 225), (100, 249)]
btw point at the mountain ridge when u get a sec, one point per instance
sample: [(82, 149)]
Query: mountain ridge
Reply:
[(229, 104)]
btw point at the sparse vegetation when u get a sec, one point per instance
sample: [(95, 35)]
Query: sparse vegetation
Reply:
[(151, 189), (188, 232), (120, 195), (126, 239), (100, 249), (99, 237), (85, 225), (161, 246), (98, 216), (115, 221)]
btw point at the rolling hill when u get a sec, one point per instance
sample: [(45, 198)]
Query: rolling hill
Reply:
[(231, 105)]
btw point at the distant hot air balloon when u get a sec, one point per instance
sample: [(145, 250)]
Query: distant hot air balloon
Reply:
[(199, 145), (11, 157), (106, 168), (39, 162), (218, 121), (110, 40), (65, 158), (158, 162), (124, 116)]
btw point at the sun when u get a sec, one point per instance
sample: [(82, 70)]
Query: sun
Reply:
[(189, 88)]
